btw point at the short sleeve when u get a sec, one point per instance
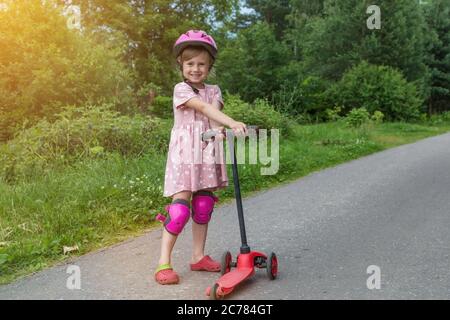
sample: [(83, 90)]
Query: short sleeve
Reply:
[(218, 96), (181, 94)]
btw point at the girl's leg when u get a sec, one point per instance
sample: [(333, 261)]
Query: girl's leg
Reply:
[(167, 244), (168, 239), (199, 233)]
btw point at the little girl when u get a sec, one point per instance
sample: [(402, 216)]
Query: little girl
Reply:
[(196, 107)]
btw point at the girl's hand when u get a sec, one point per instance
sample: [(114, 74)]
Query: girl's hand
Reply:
[(220, 136), (239, 128)]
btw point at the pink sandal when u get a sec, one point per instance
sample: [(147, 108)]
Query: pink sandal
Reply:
[(164, 274), (206, 264)]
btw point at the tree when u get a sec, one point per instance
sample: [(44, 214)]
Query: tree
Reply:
[(341, 39), (252, 64), (437, 14), (145, 30), (308, 8), (273, 12), (44, 65), (302, 12)]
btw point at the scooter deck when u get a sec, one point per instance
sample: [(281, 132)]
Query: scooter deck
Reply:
[(234, 277)]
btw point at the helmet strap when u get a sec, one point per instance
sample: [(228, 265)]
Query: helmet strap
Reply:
[(196, 91)]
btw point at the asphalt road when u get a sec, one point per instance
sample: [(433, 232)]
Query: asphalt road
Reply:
[(390, 210)]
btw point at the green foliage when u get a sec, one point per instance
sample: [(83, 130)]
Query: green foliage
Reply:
[(273, 12), (423, 117), (377, 117), (376, 88), (446, 116), (300, 18), (162, 107), (437, 13), (357, 117), (44, 65), (80, 133), (251, 65), (259, 113), (146, 95), (333, 114), (302, 97), (340, 39), (436, 119), (146, 30)]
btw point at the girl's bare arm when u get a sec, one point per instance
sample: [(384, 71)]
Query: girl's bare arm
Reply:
[(214, 124), (216, 115)]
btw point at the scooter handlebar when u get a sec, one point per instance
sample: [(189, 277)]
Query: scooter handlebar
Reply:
[(212, 133)]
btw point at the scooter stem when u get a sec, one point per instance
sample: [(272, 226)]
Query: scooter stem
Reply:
[(237, 191)]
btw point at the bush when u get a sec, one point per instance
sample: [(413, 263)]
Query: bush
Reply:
[(303, 98), (145, 96), (435, 119), (446, 116), (259, 113), (357, 117), (377, 117), (162, 107), (81, 133), (333, 114), (423, 117), (377, 88)]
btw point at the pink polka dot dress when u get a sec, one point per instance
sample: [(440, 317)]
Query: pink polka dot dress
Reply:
[(192, 164)]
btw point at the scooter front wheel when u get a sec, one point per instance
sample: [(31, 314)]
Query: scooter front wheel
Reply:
[(214, 294)]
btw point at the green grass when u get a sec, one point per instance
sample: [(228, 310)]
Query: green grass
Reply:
[(101, 202)]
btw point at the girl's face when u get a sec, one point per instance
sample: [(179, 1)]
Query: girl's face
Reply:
[(196, 69)]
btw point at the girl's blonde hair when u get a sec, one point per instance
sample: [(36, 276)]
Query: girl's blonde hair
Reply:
[(191, 52)]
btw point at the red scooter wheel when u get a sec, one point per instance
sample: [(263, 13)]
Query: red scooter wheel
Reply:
[(272, 266), (225, 266)]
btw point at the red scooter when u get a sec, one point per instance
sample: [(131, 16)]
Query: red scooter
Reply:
[(247, 260)]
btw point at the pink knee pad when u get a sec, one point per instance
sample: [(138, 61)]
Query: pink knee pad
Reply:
[(178, 216), (202, 206)]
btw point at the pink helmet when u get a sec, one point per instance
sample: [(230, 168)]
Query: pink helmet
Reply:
[(197, 38)]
